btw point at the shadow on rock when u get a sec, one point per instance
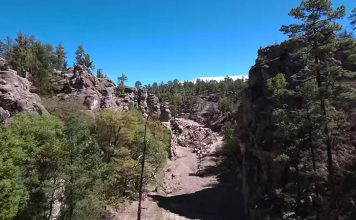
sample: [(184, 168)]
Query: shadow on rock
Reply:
[(219, 202)]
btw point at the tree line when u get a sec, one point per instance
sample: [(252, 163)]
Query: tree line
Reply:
[(38, 61), (184, 96)]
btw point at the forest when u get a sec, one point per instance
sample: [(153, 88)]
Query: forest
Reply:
[(289, 130)]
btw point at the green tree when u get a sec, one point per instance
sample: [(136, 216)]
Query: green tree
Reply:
[(121, 136), (138, 85), (30, 58), (83, 58), (2, 49), (121, 81), (20, 54), (60, 62), (114, 130), (40, 140), (41, 66), (353, 19), (100, 74), (13, 193), (83, 168), (318, 26)]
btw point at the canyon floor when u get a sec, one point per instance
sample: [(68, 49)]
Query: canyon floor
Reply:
[(194, 185)]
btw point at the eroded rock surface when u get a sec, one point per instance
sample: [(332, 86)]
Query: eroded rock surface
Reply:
[(100, 93), (16, 97), (95, 93)]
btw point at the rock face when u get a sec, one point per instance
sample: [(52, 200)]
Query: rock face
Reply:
[(3, 64), (191, 134), (207, 112), (165, 113), (95, 93), (263, 179), (153, 104), (100, 93), (260, 176), (15, 96)]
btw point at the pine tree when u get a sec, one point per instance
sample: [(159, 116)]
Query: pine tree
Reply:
[(318, 29), (353, 19), (2, 49), (100, 73), (20, 55), (83, 165), (83, 58), (41, 66), (122, 80), (138, 84), (60, 58), (39, 141)]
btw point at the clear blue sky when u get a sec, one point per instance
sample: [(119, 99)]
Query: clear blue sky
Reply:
[(156, 40)]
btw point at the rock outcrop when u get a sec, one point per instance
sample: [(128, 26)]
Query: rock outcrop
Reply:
[(206, 111), (191, 134), (260, 175), (263, 180), (3, 64), (15, 96), (165, 113), (100, 93), (95, 93)]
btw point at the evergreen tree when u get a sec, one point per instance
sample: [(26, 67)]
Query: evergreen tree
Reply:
[(353, 19), (138, 85), (60, 62), (121, 81), (13, 193), (318, 28), (41, 66), (38, 144), (100, 73), (2, 49), (83, 58), (83, 167), (20, 55), (30, 58)]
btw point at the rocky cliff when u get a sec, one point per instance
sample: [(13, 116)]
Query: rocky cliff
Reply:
[(17, 94), (16, 97), (264, 180), (101, 93)]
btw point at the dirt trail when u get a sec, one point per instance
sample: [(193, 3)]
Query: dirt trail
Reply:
[(187, 192)]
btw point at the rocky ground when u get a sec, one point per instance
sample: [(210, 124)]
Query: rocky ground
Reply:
[(192, 187)]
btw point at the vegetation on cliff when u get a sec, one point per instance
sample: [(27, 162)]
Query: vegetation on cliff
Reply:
[(295, 135)]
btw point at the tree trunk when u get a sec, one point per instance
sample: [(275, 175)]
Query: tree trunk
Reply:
[(326, 131), (71, 190), (142, 170), (325, 122)]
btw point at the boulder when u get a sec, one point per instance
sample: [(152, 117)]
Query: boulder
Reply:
[(16, 97), (95, 93), (3, 64), (153, 104), (165, 113), (4, 114), (100, 93)]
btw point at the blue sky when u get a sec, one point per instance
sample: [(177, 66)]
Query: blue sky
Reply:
[(156, 40)]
